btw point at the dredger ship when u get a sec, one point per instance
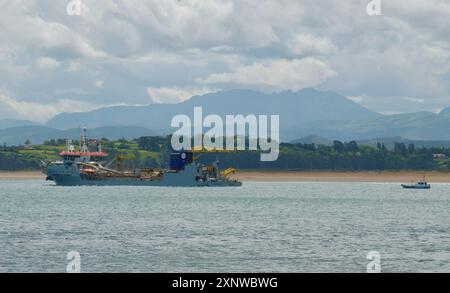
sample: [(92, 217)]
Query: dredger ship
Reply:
[(83, 167)]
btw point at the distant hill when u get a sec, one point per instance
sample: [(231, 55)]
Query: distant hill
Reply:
[(414, 126), (445, 112), (8, 123), (295, 109), (388, 142), (38, 134), (303, 113), (315, 139)]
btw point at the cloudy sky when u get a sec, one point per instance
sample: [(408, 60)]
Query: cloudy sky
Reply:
[(163, 51)]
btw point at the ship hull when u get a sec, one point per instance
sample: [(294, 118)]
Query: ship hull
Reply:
[(73, 181), (415, 187), (64, 175)]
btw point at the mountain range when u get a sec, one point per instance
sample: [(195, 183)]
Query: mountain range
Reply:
[(302, 113), (38, 134), (295, 109), (8, 123)]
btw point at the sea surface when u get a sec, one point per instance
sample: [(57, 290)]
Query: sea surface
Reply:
[(260, 227)]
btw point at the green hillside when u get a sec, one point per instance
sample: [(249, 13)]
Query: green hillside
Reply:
[(155, 152)]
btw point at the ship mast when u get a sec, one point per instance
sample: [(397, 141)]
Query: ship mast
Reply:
[(83, 141)]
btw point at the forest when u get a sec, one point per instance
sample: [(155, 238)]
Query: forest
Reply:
[(155, 152)]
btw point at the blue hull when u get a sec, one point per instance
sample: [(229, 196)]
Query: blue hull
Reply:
[(70, 176), (77, 181)]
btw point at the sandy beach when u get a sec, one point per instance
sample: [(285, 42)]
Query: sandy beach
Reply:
[(308, 176), (22, 175), (329, 176)]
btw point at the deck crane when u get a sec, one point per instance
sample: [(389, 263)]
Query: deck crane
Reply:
[(203, 150)]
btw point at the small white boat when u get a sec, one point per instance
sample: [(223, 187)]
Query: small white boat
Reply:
[(419, 185)]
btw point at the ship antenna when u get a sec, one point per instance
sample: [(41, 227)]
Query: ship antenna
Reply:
[(83, 141)]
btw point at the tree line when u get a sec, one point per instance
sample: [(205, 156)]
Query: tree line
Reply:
[(340, 156)]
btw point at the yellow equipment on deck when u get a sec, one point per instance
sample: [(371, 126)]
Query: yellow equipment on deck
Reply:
[(203, 150), (228, 172)]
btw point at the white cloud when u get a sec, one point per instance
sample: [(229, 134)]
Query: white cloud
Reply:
[(356, 99), (42, 112), (30, 31), (275, 75), (99, 83), (169, 46), (438, 56), (303, 44), (72, 66), (414, 100), (46, 62), (171, 95)]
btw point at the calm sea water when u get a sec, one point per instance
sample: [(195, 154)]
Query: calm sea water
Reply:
[(261, 227)]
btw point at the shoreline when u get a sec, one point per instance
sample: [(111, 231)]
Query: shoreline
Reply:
[(21, 175), (296, 176), (344, 176)]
